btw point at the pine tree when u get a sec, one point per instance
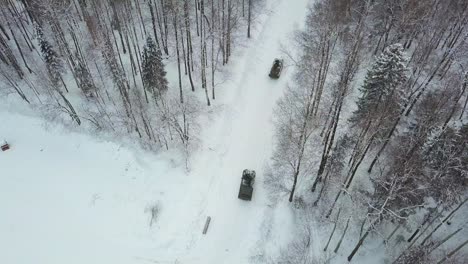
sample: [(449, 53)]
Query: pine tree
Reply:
[(85, 80), (382, 85), (52, 59), (154, 75), (55, 69)]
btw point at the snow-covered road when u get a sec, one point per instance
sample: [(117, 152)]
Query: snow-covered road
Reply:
[(240, 137)]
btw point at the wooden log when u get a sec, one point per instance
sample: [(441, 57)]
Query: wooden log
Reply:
[(207, 224)]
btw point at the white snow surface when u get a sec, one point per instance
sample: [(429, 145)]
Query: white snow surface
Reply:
[(70, 198)]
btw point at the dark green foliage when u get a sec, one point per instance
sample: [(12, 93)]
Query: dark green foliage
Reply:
[(84, 78), (52, 59), (381, 90), (154, 75)]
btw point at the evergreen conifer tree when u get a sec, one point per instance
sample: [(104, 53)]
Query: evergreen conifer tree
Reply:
[(382, 85), (52, 59), (85, 81), (154, 75)]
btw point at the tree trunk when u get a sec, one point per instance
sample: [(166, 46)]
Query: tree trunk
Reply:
[(321, 189), (423, 87), (228, 37), (359, 244), (342, 236), (386, 141), (20, 51), (162, 24), (196, 17), (391, 234), (212, 51), (71, 110), (183, 49), (443, 221), (189, 43), (353, 173), (223, 32), (464, 108), (449, 255), (333, 231), (178, 56), (293, 189), (445, 239), (248, 17), (153, 20), (334, 203), (456, 100)]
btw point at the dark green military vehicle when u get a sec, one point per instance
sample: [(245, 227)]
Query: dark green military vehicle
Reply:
[(246, 186), (276, 69)]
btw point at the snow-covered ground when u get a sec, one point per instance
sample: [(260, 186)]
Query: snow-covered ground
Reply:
[(67, 198), (71, 198)]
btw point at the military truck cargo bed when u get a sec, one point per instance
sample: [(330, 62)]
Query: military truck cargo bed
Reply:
[(245, 192)]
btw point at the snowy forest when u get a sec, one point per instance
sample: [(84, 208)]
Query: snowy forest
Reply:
[(369, 132), (373, 131), (102, 63)]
